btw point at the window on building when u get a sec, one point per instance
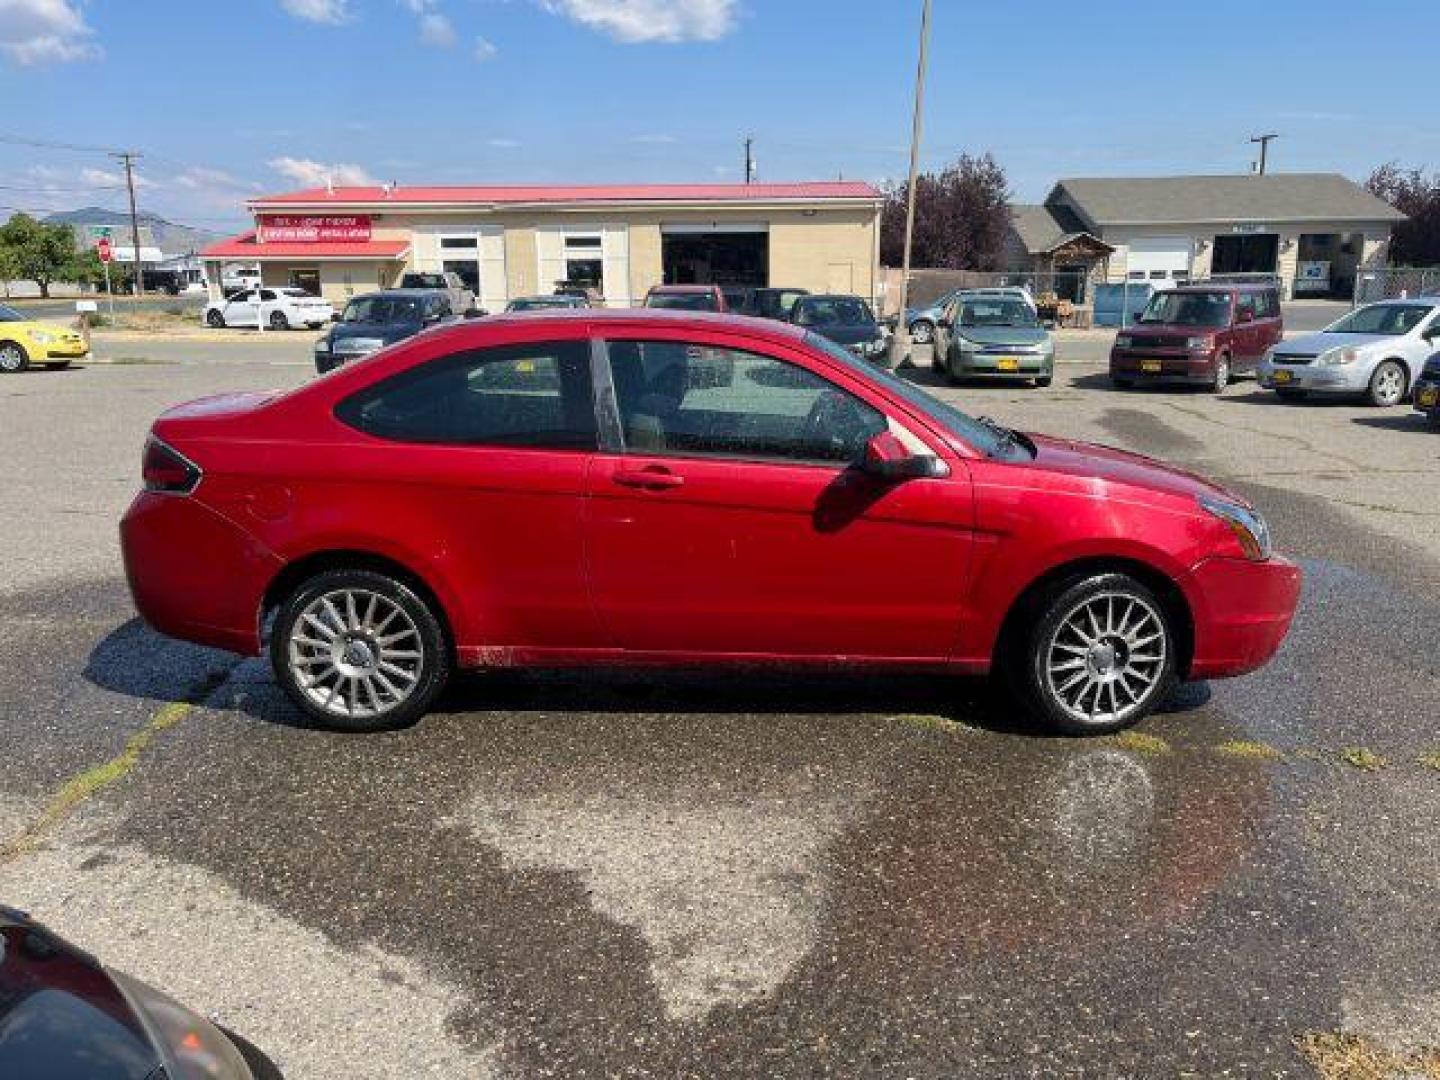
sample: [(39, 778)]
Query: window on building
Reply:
[(461, 255), (585, 261)]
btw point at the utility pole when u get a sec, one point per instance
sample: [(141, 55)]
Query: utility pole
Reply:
[(1264, 141), (750, 160), (128, 157), (900, 342)]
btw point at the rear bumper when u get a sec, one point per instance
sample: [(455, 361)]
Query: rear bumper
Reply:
[(194, 574), (1242, 611)]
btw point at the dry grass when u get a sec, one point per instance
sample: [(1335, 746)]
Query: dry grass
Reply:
[(1249, 749), (1338, 1056), (1431, 760), (1360, 757), (942, 724), (1141, 743)]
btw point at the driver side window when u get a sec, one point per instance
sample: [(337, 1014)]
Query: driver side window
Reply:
[(700, 400)]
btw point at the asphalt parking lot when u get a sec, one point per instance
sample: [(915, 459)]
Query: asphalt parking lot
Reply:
[(690, 874)]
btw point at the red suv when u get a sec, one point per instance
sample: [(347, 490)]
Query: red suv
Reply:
[(638, 487), (1198, 334)]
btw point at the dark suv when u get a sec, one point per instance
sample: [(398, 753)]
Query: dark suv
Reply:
[(1202, 335)]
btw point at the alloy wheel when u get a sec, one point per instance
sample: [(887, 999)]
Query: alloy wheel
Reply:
[(1222, 375), (1106, 658), (1388, 385), (355, 653), (12, 357), (922, 333)]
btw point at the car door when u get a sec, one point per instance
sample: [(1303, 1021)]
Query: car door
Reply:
[(727, 519), (242, 309), (1247, 333)]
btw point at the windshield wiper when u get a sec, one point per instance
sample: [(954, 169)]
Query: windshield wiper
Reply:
[(1008, 436)]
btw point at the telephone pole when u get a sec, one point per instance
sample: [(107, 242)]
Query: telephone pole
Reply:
[(900, 341), (750, 160), (128, 157), (1264, 141)]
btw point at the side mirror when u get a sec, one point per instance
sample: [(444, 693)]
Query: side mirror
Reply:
[(1244, 315), (889, 459), (475, 313), (1137, 316)]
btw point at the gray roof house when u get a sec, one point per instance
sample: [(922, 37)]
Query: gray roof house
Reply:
[(1312, 232)]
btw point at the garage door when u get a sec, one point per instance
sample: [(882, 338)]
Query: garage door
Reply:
[(1159, 258)]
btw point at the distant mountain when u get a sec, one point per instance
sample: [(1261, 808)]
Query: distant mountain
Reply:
[(169, 237)]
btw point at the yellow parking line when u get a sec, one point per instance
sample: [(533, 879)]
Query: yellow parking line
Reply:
[(87, 784)]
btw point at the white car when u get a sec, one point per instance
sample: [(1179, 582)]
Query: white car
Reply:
[(276, 309), (1377, 351)]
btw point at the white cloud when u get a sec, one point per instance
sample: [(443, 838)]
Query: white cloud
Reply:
[(485, 50), (198, 178), (437, 30), (654, 140), (34, 33), (504, 144), (319, 11), (652, 20), (316, 173)]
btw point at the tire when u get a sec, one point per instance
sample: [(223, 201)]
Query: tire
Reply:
[(278, 321), (380, 681), (1111, 626), (215, 318), (1221, 377), (13, 357), (1043, 381), (1388, 384), (1291, 395), (922, 332)]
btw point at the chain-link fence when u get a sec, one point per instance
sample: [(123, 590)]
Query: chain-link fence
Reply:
[(927, 286), (1392, 282)]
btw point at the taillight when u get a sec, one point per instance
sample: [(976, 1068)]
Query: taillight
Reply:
[(166, 469)]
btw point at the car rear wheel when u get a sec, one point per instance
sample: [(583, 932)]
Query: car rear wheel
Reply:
[(1099, 656), (13, 357), (359, 651), (922, 332), (1387, 385), (1220, 379), (215, 318), (1043, 381), (278, 321)]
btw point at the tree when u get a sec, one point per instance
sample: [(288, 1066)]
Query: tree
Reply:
[(84, 269), (37, 251), (1415, 242), (961, 217)]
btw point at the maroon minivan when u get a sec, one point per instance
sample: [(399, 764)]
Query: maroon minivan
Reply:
[(1198, 334)]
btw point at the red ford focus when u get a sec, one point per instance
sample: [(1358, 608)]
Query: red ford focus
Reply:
[(644, 487)]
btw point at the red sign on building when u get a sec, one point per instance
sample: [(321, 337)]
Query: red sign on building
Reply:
[(315, 229)]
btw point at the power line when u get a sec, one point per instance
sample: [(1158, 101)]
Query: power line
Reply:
[(47, 144)]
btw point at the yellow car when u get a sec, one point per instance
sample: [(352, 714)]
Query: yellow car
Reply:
[(24, 342)]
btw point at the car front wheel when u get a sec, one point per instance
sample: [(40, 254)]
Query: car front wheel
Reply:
[(278, 321), (359, 651), (922, 332), (13, 357), (1099, 656), (215, 318), (1387, 385)]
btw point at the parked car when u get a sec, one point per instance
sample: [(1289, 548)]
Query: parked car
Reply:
[(371, 322), (742, 490), (845, 320), (1376, 351), (546, 303), (25, 341), (774, 303), (64, 1016), (233, 280), (1427, 391), (279, 309), (922, 321), (686, 298), (461, 296), (737, 297), (992, 335), (1201, 335)]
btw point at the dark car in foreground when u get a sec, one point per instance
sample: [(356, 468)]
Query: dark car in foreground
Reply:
[(992, 335), (1427, 391), (558, 302), (845, 320), (371, 322), (64, 1016), (642, 487), (1200, 335), (687, 298)]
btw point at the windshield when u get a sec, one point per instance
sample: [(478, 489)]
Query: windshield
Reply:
[(997, 312), (1390, 320), (382, 309), (1188, 309), (696, 301), (833, 311), (982, 437), (8, 314), (424, 281), (541, 303)]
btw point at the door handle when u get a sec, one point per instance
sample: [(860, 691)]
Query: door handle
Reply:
[(654, 477)]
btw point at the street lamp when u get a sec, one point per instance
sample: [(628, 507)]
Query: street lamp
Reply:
[(900, 342)]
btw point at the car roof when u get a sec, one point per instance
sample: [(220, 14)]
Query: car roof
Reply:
[(832, 296), (1408, 301), (602, 319), (410, 294), (686, 288)]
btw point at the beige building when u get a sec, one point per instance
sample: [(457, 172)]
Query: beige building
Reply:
[(1314, 232), (508, 242)]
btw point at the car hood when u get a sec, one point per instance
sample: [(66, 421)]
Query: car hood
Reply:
[(389, 333), (1315, 344), (848, 335), (1121, 467), (1003, 335)]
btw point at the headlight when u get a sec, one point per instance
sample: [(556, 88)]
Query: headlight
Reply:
[(1198, 343), (1248, 526), (1341, 354), (193, 1048), (1123, 341), (42, 337), (323, 345), (965, 344)]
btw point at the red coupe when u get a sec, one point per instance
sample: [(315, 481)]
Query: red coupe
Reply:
[(650, 487)]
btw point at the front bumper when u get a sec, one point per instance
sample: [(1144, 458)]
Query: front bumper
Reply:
[(1168, 366), (1315, 378), (1242, 612), (1013, 365), (1427, 396)]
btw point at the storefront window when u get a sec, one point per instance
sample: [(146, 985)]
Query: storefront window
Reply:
[(585, 262), (461, 255)]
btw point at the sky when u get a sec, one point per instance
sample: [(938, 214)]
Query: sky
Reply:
[(228, 100)]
